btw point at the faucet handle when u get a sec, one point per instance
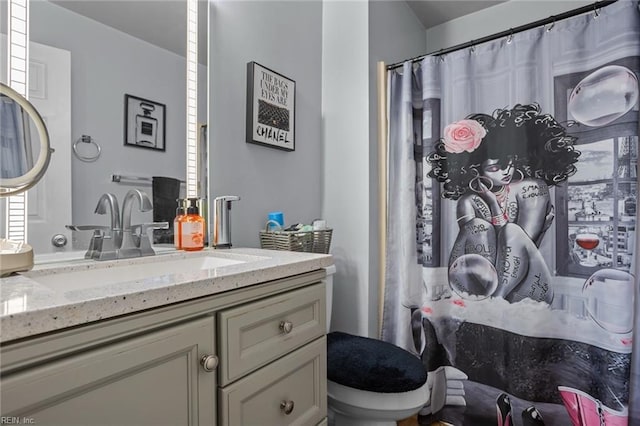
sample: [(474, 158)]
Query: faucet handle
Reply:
[(95, 245), (101, 245), (144, 227), (87, 227), (142, 236)]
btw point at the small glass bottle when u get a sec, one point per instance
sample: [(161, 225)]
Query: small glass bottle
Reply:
[(193, 228), (181, 213), (146, 126)]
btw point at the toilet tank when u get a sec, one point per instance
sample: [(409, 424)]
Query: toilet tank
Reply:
[(331, 270)]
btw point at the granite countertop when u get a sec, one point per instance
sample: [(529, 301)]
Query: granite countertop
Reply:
[(60, 295)]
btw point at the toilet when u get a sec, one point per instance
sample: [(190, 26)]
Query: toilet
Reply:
[(370, 382)]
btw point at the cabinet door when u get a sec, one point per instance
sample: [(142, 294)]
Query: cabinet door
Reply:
[(153, 379)]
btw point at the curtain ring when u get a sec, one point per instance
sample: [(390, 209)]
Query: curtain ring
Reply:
[(553, 24), (595, 11), (86, 158), (472, 49), (510, 38)]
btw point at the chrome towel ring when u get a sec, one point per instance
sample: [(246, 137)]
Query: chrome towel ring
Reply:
[(87, 158)]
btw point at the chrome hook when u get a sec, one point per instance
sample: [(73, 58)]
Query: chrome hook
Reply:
[(595, 11), (472, 49), (553, 24), (510, 38)]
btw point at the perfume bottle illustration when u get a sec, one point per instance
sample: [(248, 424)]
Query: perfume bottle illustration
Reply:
[(146, 126)]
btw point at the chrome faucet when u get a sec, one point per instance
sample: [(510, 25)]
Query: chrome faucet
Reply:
[(103, 244), (135, 241), (110, 200), (129, 246), (120, 240), (127, 206)]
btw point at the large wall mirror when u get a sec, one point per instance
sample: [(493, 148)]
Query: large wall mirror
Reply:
[(94, 66)]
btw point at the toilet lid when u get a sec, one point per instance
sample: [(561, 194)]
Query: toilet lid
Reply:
[(372, 365)]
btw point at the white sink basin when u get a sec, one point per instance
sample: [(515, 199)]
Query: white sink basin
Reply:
[(160, 269)]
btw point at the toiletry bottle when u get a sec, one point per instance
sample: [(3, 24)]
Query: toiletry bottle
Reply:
[(181, 212), (193, 228)]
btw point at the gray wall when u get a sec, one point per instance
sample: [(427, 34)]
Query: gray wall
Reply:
[(106, 64), (345, 114), (285, 37)]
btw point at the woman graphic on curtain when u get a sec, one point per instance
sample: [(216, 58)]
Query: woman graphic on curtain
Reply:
[(499, 169)]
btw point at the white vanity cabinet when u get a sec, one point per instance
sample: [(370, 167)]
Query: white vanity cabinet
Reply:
[(251, 356)]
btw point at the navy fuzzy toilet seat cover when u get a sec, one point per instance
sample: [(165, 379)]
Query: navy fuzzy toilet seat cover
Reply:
[(372, 365)]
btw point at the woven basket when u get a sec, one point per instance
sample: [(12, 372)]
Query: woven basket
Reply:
[(308, 241)]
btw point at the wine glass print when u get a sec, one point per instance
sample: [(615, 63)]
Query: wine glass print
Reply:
[(591, 245)]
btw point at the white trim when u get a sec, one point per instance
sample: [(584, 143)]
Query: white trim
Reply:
[(18, 78), (192, 98)]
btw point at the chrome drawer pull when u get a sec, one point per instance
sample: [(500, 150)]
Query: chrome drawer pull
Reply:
[(286, 326), (287, 407), (209, 363)]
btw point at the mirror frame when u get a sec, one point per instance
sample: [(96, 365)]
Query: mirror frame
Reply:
[(12, 186)]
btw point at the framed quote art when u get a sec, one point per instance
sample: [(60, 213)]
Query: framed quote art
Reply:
[(270, 108)]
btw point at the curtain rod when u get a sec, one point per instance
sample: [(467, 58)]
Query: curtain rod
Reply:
[(551, 19)]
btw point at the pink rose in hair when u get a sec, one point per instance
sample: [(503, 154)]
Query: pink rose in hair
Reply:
[(463, 135)]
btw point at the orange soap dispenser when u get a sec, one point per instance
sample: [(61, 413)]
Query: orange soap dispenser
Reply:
[(193, 228), (181, 213)]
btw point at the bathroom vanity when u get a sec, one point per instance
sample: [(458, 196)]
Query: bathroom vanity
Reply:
[(240, 341)]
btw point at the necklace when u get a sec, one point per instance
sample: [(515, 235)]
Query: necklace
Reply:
[(501, 195)]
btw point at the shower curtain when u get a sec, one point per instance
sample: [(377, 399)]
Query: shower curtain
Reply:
[(511, 229)]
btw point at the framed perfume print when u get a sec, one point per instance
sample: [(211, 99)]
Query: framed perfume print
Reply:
[(144, 123), (270, 108)]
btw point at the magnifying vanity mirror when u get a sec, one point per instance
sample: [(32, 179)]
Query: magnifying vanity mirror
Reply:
[(90, 61), (24, 158), (24, 150)]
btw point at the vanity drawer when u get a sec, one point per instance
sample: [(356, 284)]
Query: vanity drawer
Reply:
[(260, 332), (295, 384)]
